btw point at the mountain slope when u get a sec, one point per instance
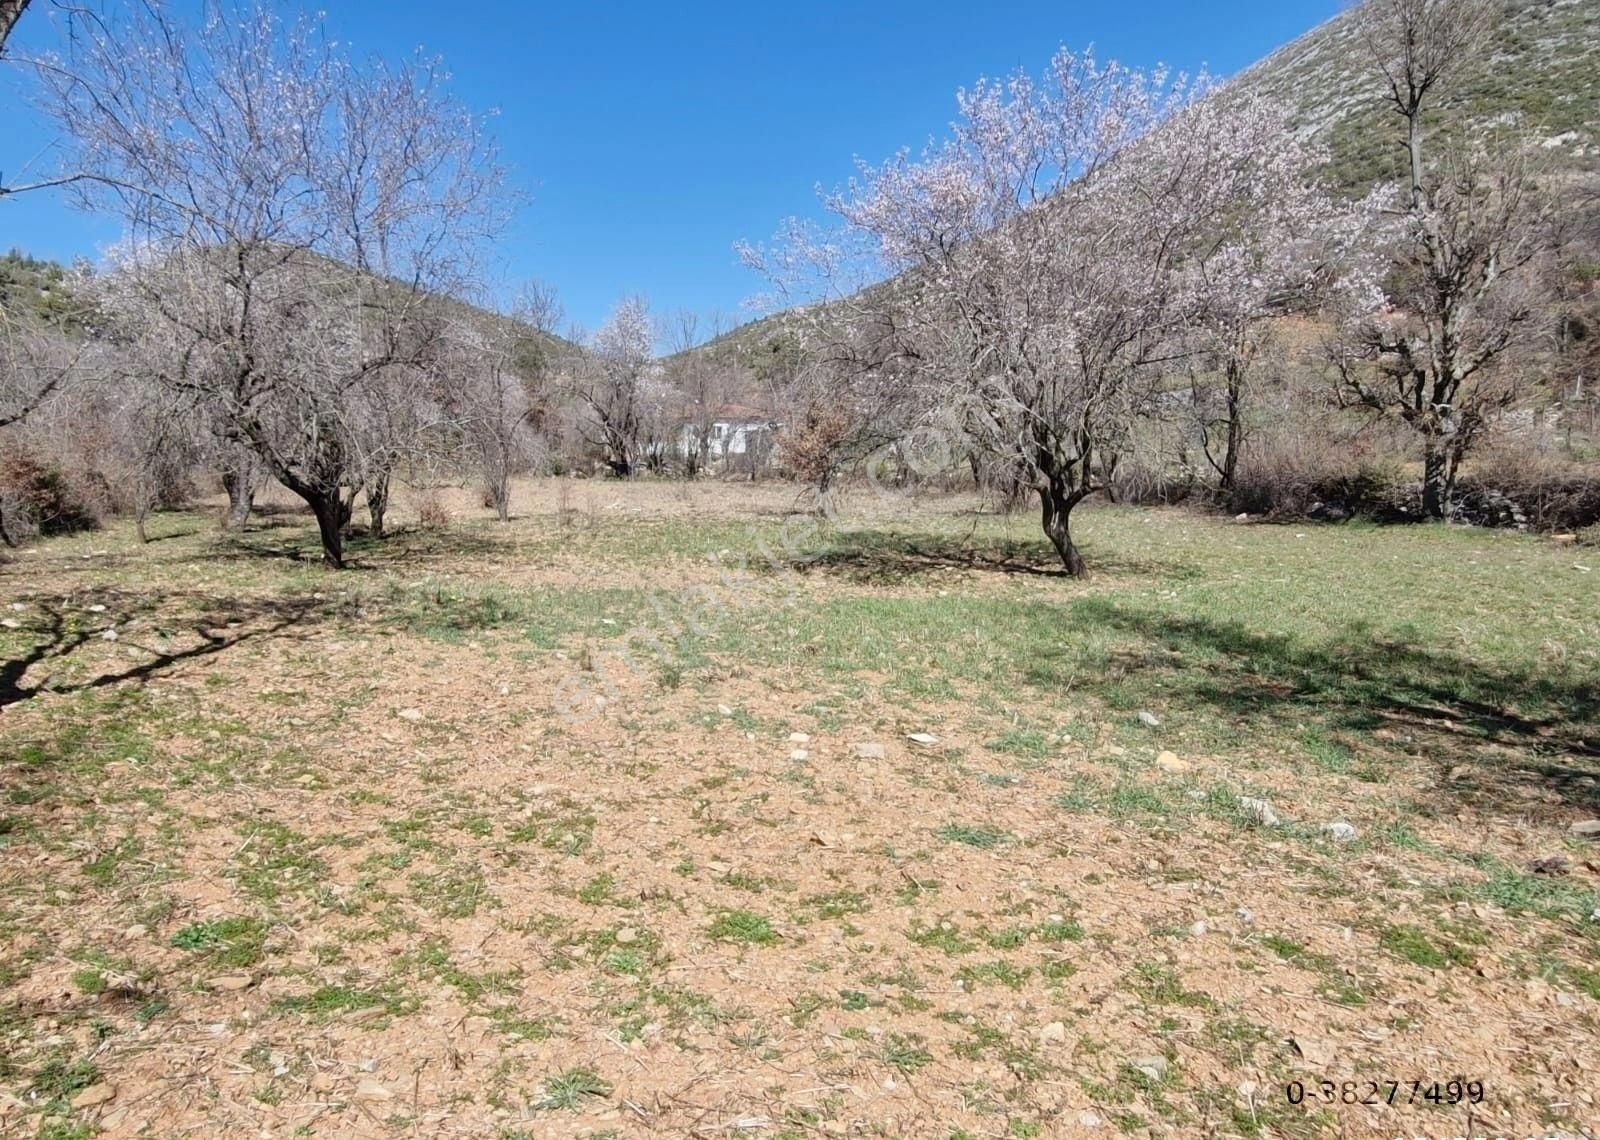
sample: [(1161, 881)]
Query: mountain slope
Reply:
[(1541, 75)]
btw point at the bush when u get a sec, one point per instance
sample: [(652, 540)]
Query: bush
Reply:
[(1543, 494), (431, 512), (1322, 478), (40, 499)]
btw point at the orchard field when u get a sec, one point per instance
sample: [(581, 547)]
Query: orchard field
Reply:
[(672, 810)]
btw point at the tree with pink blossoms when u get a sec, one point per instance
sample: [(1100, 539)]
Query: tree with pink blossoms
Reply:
[(1041, 268)]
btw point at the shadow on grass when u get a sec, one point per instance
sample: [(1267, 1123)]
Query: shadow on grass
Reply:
[(362, 551), (876, 557), (59, 629), (1359, 682)]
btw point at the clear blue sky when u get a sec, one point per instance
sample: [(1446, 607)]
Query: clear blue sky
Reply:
[(652, 136)]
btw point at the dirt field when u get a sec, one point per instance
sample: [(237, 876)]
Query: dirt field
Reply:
[(666, 810)]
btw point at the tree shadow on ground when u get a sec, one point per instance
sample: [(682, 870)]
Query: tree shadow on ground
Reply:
[(409, 545), (155, 538), (875, 557), (58, 629), (1515, 725)]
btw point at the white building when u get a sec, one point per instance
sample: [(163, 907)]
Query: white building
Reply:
[(740, 436)]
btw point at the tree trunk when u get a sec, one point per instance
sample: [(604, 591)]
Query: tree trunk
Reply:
[(1435, 480), (1414, 153), (1230, 456), (377, 502), (1058, 503), (238, 479), (332, 515), (1108, 466), (10, 12), (500, 496)]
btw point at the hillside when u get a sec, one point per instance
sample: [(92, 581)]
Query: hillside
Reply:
[(1543, 76), (42, 290), (34, 288)]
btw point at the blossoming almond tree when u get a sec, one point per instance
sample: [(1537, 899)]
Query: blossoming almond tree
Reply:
[(1468, 250), (1295, 250), (1040, 262), (613, 384)]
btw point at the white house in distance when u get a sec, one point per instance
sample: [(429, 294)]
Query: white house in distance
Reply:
[(741, 437)]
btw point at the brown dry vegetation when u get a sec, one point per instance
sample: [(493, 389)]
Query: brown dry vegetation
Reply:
[(505, 832)]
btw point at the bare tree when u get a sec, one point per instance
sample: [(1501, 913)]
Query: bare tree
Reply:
[(152, 443), (36, 363), (1294, 254), (1466, 250), (704, 381), (292, 217), (501, 397), (242, 476)]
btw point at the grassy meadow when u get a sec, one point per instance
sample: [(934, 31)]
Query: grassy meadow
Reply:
[(674, 810)]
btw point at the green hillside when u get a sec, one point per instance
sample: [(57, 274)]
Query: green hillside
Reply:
[(1542, 75)]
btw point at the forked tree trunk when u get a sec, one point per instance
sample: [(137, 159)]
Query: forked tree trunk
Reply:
[(332, 514), (1057, 503), (1062, 485)]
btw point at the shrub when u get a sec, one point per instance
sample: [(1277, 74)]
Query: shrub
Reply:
[(1323, 478), (431, 512), (1545, 494), (39, 499)]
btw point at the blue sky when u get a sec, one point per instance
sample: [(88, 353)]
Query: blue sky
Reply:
[(651, 137)]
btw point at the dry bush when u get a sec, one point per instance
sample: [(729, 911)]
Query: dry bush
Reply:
[(812, 451), (36, 498), (1319, 476), (1549, 493), (431, 512)]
